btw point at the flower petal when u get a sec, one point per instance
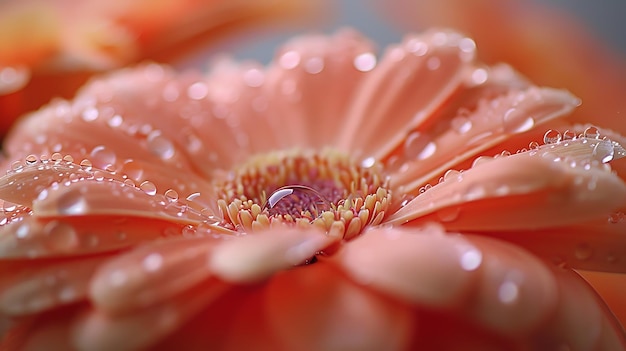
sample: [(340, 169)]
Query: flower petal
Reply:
[(30, 288), (151, 273), (79, 235), (548, 187), (409, 83), (319, 306), (581, 320), (97, 330), (466, 135), (304, 74), (495, 284), (257, 256)]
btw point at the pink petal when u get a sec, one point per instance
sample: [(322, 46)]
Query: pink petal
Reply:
[(316, 308), (34, 288), (151, 273), (581, 320), (96, 330), (495, 284), (306, 96), (409, 83), (257, 256), (465, 135), (548, 187), (79, 235)]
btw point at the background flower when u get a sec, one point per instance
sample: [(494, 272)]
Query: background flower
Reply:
[(50, 48)]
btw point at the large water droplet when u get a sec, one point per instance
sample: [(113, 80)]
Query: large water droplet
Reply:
[(72, 203), (171, 195), (102, 157), (160, 146), (296, 200), (62, 236), (148, 187), (591, 132), (516, 122), (604, 151), (31, 159), (551, 137)]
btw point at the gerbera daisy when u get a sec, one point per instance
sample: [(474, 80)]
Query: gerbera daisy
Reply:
[(63, 42), (331, 200)]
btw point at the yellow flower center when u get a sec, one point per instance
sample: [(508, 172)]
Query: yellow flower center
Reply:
[(323, 189)]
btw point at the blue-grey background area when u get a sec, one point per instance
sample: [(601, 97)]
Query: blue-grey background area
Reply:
[(605, 18)]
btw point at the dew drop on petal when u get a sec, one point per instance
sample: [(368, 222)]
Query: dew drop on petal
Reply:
[(604, 150), (583, 252), (160, 146), (148, 187), (62, 236), (103, 157), (90, 114), (86, 165), (508, 292), (31, 159), (17, 166), (72, 203), (365, 62), (551, 137), (115, 121), (449, 214), (461, 124), (515, 123), (171, 195), (289, 60), (198, 91), (296, 200), (471, 259), (591, 132), (153, 262), (569, 135)]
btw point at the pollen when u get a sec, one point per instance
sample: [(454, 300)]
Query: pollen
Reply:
[(324, 189)]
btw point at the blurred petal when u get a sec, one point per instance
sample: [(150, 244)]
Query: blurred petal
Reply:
[(151, 274), (260, 255), (338, 315)]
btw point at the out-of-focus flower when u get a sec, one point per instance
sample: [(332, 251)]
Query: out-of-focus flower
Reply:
[(328, 201), (50, 48), (551, 48)]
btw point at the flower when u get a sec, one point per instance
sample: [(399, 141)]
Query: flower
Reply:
[(327, 201), (62, 43), (550, 47)]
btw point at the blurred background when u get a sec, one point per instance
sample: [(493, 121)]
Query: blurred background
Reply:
[(49, 48)]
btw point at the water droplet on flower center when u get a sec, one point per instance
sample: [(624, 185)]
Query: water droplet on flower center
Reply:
[(297, 201)]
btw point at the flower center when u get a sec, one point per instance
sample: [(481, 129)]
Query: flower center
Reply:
[(322, 189)]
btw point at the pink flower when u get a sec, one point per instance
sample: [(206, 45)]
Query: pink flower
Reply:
[(61, 43), (331, 200)]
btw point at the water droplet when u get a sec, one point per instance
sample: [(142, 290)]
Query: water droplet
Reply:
[(254, 77), (314, 65), (296, 200), (415, 144), (551, 137), (90, 114), (479, 76), (452, 174), (115, 121), (368, 162), (583, 252), (604, 151), (148, 187), (433, 63), (160, 146), (533, 145), (17, 166), (471, 259), (514, 122), (461, 124), (591, 132), (365, 62), (198, 91), (62, 236), (31, 159), (569, 135), (102, 157), (616, 217), (153, 262), (171, 195), (86, 164), (449, 214), (289, 60), (508, 292), (72, 203)]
